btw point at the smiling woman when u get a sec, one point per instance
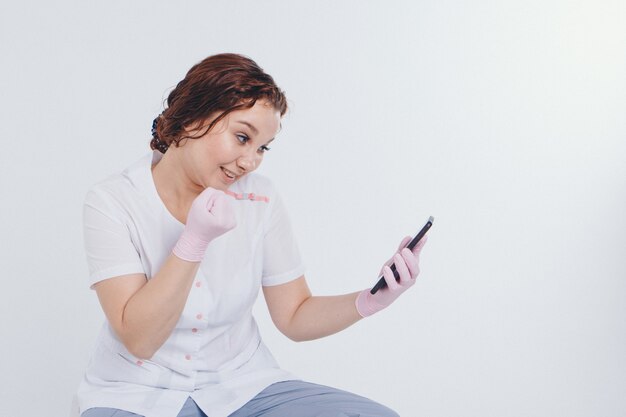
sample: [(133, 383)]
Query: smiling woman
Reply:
[(215, 158), (178, 246)]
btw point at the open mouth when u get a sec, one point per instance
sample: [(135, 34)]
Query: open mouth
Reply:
[(229, 174)]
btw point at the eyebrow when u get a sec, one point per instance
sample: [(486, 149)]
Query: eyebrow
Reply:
[(254, 129), (250, 125)]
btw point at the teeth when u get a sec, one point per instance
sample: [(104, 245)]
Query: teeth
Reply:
[(228, 173)]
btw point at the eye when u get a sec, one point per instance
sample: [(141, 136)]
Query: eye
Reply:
[(243, 139)]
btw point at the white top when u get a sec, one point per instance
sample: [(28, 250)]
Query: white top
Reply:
[(215, 353)]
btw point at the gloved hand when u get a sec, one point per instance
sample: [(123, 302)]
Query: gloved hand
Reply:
[(211, 215), (407, 265)]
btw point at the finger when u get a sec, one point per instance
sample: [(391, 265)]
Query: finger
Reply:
[(412, 262), (390, 279), (208, 196), (216, 203), (418, 248), (404, 242), (403, 270), (223, 210), (388, 263)]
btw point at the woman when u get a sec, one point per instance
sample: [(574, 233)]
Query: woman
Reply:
[(178, 245)]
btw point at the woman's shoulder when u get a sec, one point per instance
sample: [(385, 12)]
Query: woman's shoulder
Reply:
[(107, 187), (121, 186)]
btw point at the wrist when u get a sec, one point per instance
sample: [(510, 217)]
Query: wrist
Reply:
[(189, 248), (366, 304)]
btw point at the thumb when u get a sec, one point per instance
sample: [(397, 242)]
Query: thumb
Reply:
[(223, 211), (211, 200)]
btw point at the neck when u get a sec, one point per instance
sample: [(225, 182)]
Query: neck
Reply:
[(174, 186)]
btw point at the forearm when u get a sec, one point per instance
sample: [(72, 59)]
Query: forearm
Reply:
[(153, 311), (320, 316)]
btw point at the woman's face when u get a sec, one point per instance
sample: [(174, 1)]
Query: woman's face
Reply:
[(233, 148)]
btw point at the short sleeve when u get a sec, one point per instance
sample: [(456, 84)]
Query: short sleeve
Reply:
[(281, 257), (108, 246)]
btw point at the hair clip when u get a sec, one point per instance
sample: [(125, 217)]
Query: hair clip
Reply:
[(155, 122)]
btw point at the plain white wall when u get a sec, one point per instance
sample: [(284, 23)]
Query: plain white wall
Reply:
[(503, 119)]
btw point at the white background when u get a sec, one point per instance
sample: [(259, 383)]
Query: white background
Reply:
[(503, 119)]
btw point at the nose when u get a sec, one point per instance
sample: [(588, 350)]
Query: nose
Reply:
[(248, 162)]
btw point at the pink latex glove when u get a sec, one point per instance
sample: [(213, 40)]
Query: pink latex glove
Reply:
[(211, 215), (407, 265)]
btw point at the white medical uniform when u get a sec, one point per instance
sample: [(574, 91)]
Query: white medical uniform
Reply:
[(215, 353)]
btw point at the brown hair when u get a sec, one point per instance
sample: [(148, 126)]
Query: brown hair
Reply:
[(218, 84)]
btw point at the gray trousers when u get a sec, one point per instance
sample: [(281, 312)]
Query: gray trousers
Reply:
[(288, 398)]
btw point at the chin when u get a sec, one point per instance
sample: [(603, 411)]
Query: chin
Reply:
[(220, 186)]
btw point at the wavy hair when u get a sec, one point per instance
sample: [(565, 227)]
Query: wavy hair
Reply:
[(218, 84)]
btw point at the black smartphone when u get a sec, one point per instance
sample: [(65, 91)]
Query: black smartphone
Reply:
[(381, 281)]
